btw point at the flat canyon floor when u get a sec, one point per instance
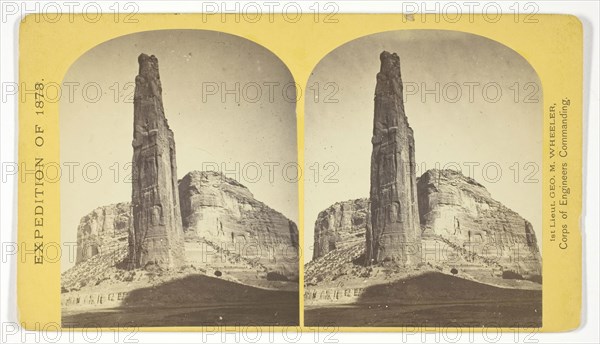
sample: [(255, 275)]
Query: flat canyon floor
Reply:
[(193, 301), (271, 314), (433, 300)]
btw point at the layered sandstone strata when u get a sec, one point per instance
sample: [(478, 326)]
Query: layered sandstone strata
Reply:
[(462, 212), (157, 233), (227, 229), (464, 228), (341, 225), (225, 213), (395, 232), (104, 229)]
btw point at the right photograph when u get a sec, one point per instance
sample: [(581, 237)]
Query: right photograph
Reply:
[(423, 194)]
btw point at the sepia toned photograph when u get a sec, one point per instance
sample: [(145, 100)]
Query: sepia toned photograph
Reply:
[(179, 215), (299, 172), (427, 210)]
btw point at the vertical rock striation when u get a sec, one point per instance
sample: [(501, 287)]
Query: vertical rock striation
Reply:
[(341, 225), (157, 233), (395, 231), (461, 212), (225, 213), (103, 230)]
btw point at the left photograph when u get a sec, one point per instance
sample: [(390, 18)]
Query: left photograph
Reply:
[(182, 206)]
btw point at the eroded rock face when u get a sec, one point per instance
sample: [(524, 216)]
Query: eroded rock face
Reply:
[(157, 233), (235, 229), (461, 211), (395, 233), (224, 212), (103, 229), (341, 225), (464, 229)]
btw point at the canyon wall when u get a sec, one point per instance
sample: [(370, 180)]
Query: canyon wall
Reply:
[(341, 225), (103, 229), (218, 210), (224, 212), (462, 227), (462, 212)]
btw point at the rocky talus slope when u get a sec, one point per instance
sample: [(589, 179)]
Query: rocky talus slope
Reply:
[(501, 248), (226, 231)]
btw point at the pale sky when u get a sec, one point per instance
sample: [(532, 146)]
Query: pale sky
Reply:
[(195, 66), (505, 132)]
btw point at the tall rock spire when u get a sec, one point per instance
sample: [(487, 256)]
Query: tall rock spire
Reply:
[(156, 236), (395, 233)]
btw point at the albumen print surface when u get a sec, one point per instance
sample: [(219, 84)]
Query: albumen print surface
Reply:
[(378, 173)]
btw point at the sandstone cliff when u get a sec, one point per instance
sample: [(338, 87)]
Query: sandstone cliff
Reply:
[(103, 229), (226, 230), (225, 213), (341, 225), (464, 232), (462, 212)]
